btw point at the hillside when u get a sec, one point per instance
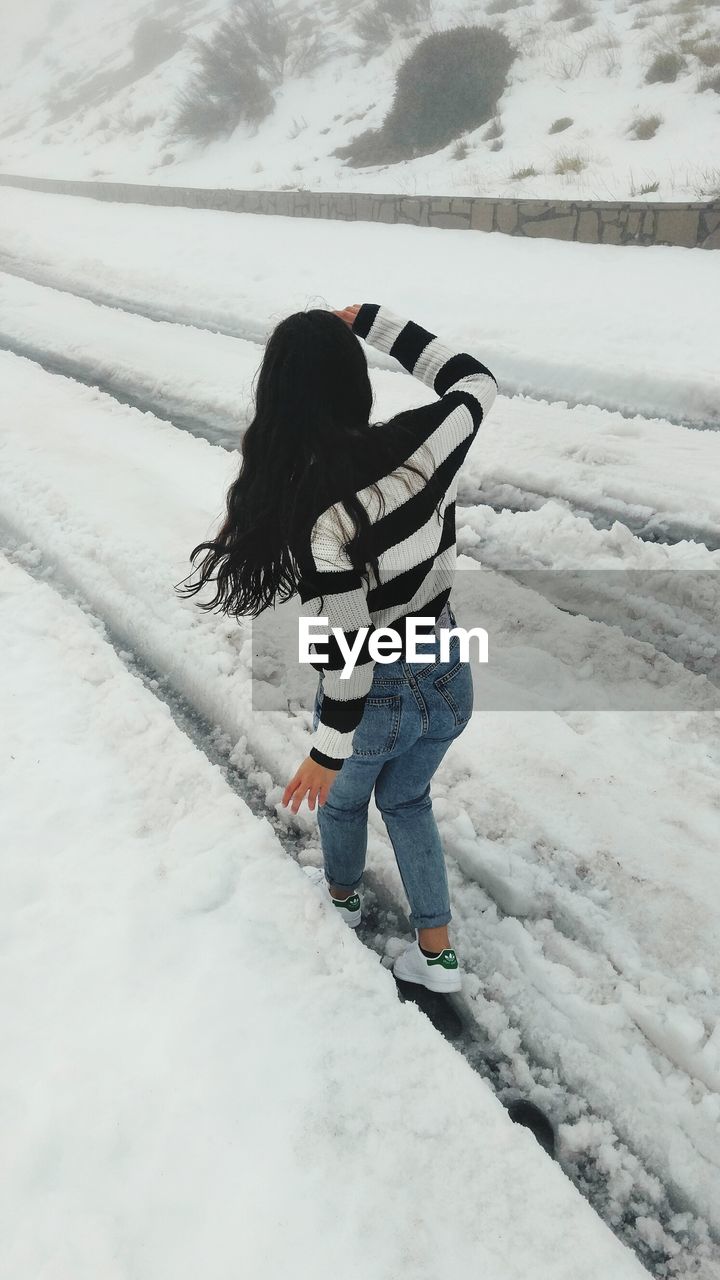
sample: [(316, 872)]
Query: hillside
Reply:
[(91, 92)]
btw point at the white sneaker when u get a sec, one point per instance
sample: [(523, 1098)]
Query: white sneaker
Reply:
[(350, 909), (439, 974)]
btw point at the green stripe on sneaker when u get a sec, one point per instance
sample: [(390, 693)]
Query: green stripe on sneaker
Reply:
[(447, 959), (350, 904)]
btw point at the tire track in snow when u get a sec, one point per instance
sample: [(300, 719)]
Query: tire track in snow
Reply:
[(455, 1021), (222, 430), (117, 591), (217, 432)]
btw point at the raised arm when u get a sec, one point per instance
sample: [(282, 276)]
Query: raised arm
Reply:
[(460, 379)]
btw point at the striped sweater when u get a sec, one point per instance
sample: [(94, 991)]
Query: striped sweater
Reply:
[(413, 536)]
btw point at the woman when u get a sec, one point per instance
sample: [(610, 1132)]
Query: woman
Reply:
[(359, 520)]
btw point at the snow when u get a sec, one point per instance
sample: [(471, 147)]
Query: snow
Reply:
[(652, 474), (581, 843), (161, 955), (114, 499), (65, 120), (611, 337)]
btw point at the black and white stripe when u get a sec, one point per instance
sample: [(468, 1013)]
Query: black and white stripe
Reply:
[(414, 546)]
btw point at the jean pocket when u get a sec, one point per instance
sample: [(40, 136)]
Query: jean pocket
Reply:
[(456, 688), (377, 732)]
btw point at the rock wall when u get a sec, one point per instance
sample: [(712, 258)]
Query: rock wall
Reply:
[(692, 225)]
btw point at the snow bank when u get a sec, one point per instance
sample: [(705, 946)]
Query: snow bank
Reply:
[(203, 1070)]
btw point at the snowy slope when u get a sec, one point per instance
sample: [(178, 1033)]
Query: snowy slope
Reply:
[(152, 1125), (581, 844), (74, 105)]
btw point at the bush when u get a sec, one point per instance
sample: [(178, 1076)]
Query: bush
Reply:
[(449, 84), (376, 25), (665, 68), (710, 82), (566, 163), (153, 43), (559, 125), (708, 54), (504, 6), (249, 54), (570, 9), (528, 172), (645, 127)]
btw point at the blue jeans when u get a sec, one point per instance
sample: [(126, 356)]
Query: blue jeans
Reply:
[(412, 714)]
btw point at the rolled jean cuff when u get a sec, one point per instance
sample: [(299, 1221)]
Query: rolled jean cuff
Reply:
[(350, 887), (430, 922)]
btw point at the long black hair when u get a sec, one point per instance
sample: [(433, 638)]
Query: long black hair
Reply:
[(305, 449)]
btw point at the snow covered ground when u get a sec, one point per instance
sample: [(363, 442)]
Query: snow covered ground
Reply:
[(632, 329), (581, 843), (203, 1071), (74, 104)]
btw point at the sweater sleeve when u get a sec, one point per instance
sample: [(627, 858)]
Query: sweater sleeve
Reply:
[(466, 386), (331, 588)]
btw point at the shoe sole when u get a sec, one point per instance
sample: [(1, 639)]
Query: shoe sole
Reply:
[(440, 988)]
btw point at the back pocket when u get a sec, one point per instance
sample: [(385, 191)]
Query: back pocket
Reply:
[(377, 733), (456, 688)]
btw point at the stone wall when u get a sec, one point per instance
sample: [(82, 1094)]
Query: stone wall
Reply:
[(692, 225)]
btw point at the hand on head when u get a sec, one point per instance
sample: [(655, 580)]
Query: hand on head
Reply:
[(348, 314)]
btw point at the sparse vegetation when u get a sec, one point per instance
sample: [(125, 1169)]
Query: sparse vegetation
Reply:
[(504, 6), (528, 172), (567, 162), (706, 184), (297, 127), (494, 130), (450, 83), (567, 9), (608, 48), (461, 149), (568, 62), (689, 7), (561, 124), (708, 54), (153, 43), (665, 67), (645, 188), (377, 23), (582, 21), (709, 82), (252, 50), (644, 127)]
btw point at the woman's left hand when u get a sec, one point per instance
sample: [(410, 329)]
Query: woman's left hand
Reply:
[(312, 780)]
